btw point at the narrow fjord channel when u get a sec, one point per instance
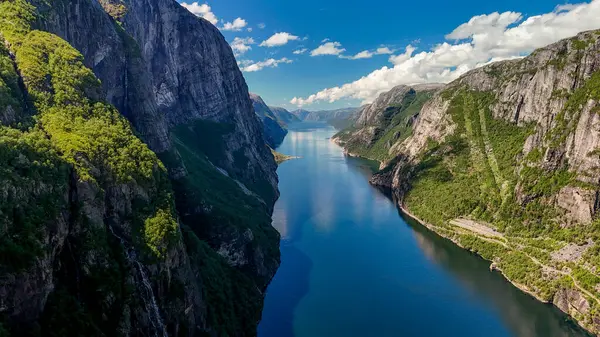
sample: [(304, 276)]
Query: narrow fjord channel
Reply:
[(353, 266)]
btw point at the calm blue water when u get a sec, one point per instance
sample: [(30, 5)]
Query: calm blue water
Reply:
[(352, 266)]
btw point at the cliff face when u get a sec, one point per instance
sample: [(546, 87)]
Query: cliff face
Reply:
[(386, 121), (274, 128), (514, 146), (166, 68), (124, 245), (195, 76)]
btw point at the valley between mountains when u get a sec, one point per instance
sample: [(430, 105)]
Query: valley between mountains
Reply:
[(137, 190)]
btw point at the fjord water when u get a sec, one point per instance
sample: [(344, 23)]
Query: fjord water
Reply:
[(351, 265)]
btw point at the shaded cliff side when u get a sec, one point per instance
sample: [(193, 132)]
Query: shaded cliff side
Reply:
[(512, 149), (124, 243), (274, 128)]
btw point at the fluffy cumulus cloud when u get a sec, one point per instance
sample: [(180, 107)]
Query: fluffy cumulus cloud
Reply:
[(203, 11), (236, 25), (279, 39), (241, 45), (481, 40), (250, 66), (328, 48)]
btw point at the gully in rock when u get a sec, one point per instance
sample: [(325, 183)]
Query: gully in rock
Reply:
[(144, 288)]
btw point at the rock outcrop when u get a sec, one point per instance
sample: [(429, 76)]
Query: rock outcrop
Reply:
[(124, 243), (385, 122)]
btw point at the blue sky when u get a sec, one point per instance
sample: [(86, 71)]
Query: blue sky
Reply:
[(368, 25)]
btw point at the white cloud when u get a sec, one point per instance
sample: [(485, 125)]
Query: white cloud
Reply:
[(328, 48), (241, 45), (483, 24), (300, 51), (250, 29), (261, 25), (203, 11), (269, 63), (243, 63), (236, 25), (367, 54), (279, 39), (398, 59), (482, 39), (325, 40), (384, 50)]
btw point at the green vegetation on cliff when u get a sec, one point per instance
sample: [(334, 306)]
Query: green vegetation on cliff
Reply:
[(209, 202), (232, 299), (231, 207), (395, 126), (74, 140), (475, 167), (73, 163), (86, 132), (32, 193), (479, 172)]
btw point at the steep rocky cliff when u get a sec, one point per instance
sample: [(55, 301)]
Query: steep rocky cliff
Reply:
[(120, 242), (384, 122), (505, 161), (274, 128)]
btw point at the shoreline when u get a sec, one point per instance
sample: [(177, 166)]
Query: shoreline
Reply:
[(493, 267), (339, 143)]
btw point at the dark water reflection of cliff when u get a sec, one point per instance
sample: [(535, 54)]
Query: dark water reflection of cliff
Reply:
[(352, 267)]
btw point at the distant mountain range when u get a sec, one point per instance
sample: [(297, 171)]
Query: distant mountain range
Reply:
[(284, 115), (276, 119), (326, 115)]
